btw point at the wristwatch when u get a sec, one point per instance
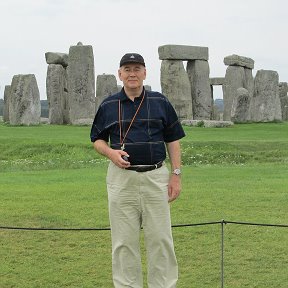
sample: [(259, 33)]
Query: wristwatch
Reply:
[(176, 171)]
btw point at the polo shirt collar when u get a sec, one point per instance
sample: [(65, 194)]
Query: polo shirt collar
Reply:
[(124, 97)]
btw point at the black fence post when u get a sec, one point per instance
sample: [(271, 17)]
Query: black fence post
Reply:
[(222, 253)]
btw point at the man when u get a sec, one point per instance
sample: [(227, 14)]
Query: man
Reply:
[(139, 124)]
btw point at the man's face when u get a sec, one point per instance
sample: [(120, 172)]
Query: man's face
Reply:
[(132, 75)]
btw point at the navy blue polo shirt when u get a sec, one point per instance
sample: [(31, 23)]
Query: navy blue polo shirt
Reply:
[(155, 124)]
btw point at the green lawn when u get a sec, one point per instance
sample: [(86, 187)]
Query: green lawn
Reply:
[(51, 177)]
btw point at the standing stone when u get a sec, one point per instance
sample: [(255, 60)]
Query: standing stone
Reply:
[(202, 102), (238, 75), (240, 106), (81, 84), (265, 104), (283, 94), (66, 110), (55, 88), (176, 86), (147, 87), (7, 93), (24, 102), (216, 115), (249, 81), (234, 79), (106, 85)]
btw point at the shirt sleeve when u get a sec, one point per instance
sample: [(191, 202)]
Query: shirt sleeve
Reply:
[(173, 130), (98, 130)]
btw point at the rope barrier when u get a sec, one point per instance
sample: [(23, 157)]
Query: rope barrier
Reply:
[(256, 224), (173, 226), (222, 222), (52, 229)]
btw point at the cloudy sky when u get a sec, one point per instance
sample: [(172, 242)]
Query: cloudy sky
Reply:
[(253, 28)]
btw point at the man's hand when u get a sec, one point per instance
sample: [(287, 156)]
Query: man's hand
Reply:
[(116, 157), (174, 187)]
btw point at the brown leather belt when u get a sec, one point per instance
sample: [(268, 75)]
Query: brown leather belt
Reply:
[(145, 168)]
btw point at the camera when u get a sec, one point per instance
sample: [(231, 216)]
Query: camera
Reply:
[(124, 157)]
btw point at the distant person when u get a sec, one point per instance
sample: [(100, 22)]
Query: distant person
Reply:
[(139, 125)]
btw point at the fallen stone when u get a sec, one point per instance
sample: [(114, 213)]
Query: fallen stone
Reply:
[(44, 120), (207, 123)]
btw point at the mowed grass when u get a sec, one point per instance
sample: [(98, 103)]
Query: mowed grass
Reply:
[(51, 177)]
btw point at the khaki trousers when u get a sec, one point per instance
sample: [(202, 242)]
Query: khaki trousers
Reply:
[(137, 199)]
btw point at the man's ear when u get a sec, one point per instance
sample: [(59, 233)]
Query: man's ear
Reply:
[(119, 74)]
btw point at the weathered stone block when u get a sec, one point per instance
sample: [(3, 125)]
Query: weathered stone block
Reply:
[(202, 102), (283, 94), (234, 79), (176, 87), (147, 87), (7, 93), (265, 103), (57, 58), (56, 82), (106, 85), (81, 85), (236, 60), (182, 52), (24, 102), (217, 81), (240, 106), (207, 123)]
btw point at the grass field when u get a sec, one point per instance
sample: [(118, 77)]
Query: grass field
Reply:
[(51, 177)]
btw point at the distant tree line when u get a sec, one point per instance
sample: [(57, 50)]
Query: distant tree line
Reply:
[(44, 109)]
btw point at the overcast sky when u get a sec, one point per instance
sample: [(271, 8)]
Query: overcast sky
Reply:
[(253, 28)]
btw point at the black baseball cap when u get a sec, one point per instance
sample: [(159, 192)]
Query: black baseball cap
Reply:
[(132, 58)]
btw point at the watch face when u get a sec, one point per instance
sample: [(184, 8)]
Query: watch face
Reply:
[(177, 171)]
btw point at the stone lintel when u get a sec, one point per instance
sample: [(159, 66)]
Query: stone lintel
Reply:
[(57, 58), (183, 52), (236, 60), (217, 81)]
